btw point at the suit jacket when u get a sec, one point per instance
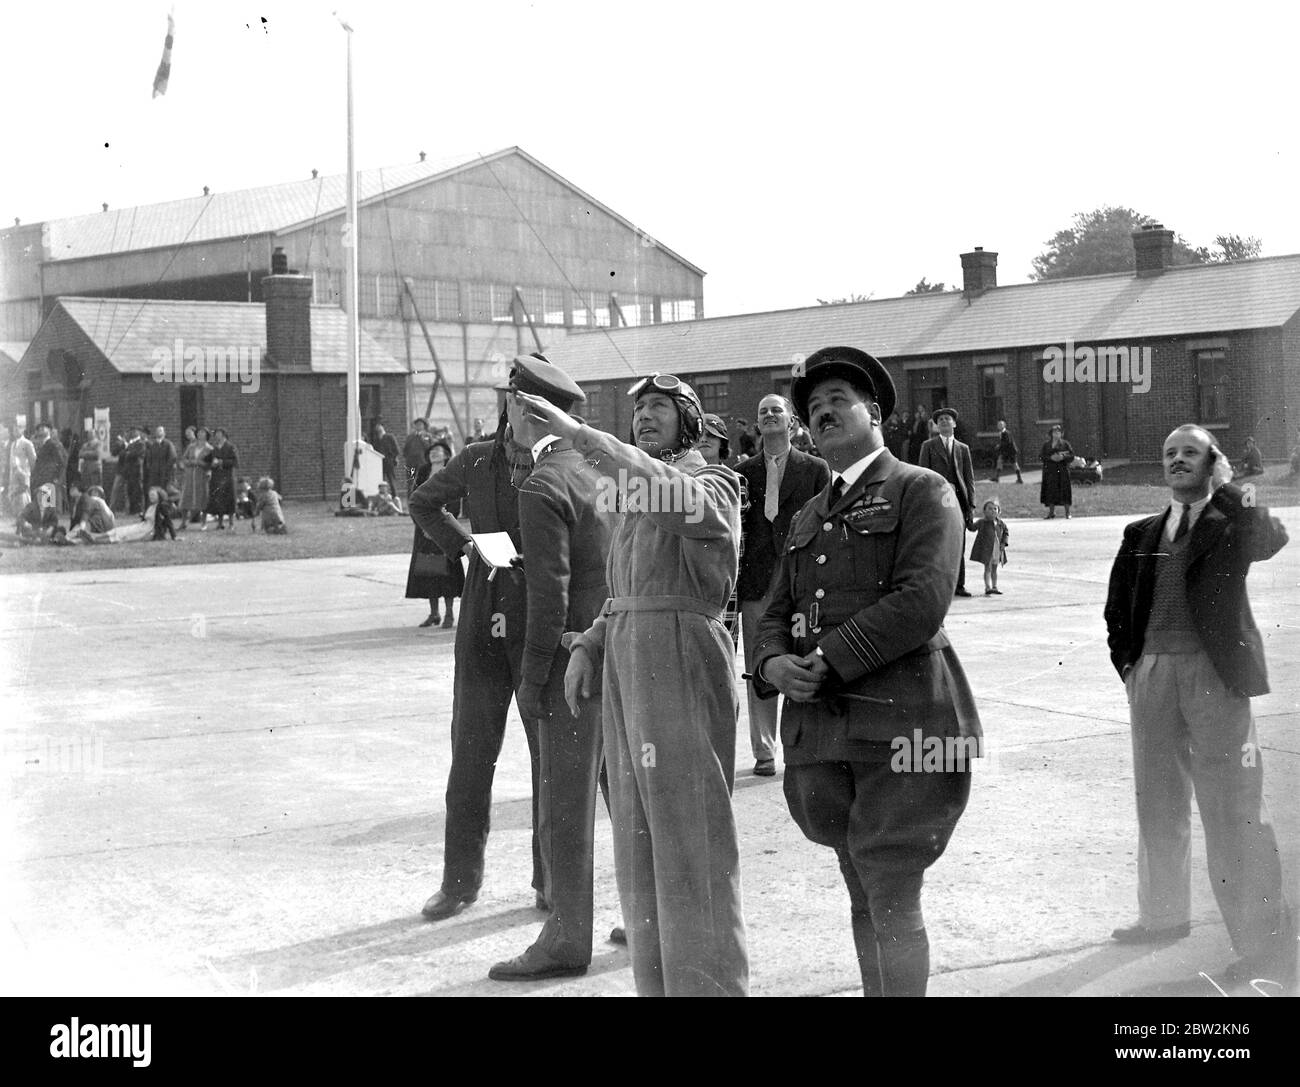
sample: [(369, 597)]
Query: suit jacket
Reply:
[(1229, 535), (566, 529), (804, 476), (960, 471), (869, 580), (51, 460), (480, 475)]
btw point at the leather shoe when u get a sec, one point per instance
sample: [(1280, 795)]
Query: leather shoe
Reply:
[(534, 965), (618, 935), (962, 592), (1140, 934), (765, 768), (442, 905)]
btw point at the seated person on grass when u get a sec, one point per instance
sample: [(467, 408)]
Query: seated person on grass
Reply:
[(384, 504), (267, 506)]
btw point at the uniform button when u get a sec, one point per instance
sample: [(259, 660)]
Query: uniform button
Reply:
[(821, 560), (827, 527), (819, 593), (816, 630)]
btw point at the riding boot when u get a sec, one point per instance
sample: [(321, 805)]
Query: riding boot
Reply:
[(864, 939)]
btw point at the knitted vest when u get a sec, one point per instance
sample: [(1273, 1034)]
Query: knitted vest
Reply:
[(1171, 628)]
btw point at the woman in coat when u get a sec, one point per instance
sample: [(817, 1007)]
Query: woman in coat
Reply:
[(221, 459), (433, 575), (90, 461), (194, 474), (1056, 455)]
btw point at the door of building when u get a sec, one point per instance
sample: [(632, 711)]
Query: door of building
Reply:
[(1114, 419)]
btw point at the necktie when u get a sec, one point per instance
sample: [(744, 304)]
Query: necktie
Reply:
[(771, 492), (837, 490), (1184, 522)]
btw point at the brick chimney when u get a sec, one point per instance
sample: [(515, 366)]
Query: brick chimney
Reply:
[(979, 272), (287, 297), (1153, 249)]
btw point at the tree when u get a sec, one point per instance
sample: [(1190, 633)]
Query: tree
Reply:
[(1102, 241), (924, 287), (845, 301), (1235, 247)]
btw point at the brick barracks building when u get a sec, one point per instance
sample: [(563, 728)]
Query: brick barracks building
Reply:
[(1216, 344), (272, 373)]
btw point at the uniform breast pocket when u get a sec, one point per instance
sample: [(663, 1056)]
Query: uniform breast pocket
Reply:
[(877, 537)]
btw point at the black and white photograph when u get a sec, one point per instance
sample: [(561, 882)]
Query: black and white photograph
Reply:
[(568, 499)]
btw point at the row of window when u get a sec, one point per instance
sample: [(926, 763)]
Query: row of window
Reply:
[(927, 388), (485, 303)]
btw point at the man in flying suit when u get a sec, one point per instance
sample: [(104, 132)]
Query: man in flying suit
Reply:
[(662, 659)]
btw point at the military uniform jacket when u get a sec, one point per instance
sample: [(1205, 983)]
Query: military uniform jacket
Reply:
[(480, 475), (803, 477), (1228, 536), (869, 580), (566, 525)]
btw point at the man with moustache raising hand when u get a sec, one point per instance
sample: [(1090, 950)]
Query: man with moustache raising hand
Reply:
[(1183, 640)]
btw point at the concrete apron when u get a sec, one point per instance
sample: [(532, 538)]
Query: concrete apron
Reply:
[(229, 779)]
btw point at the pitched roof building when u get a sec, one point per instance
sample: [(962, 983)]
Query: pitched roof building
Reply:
[(501, 252), (272, 374), (1217, 344)]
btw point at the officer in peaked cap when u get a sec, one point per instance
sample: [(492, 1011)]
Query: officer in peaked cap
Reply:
[(537, 375), (566, 529), (859, 368), (853, 637), (486, 477)]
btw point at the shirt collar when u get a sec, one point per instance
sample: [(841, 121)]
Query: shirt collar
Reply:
[(1194, 510), (540, 447), (854, 471)]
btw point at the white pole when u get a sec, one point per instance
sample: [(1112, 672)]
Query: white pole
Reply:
[(351, 294)]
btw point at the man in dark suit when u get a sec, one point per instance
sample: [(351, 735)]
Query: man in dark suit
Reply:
[(879, 721), (1183, 640), (778, 481), (489, 652), (952, 460), (566, 527)]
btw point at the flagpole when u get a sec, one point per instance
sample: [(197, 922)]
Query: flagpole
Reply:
[(351, 292)]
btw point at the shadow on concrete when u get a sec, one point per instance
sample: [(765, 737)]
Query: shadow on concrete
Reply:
[(1073, 976), (352, 639), (428, 829), (608, 963), (404, 937)]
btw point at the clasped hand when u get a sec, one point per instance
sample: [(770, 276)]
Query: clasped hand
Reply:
[(798, 678)]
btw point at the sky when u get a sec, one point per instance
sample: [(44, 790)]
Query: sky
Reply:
[(793, 151)]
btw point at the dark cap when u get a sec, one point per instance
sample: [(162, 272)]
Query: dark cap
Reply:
[(538, 375), (934, 416), (848, 362), (714, 425)]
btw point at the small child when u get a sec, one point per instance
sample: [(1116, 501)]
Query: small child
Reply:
[(267, 506), (244, 499), (163, 513), (990, 548), (384, 504)]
